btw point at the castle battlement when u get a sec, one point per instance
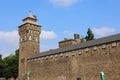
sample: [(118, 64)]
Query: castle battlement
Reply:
[(82, 48)]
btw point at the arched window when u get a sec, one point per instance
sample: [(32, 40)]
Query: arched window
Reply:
[(78, 78), (25, 38), (21, 40), (30, 38), (36, 39)]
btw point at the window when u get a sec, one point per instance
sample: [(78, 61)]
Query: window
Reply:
[(113, 44), (38, 32), (30, 38), (25, 38), (42, 58), (103, 46), (27, 31), (31, 31), (78, 78), (61, 54), (46, 57), (67, 54), (20, 39), (36, 39), (95, 48), (73, 53), (56, 55), (38, 58), (79, 51), (87, 49), (51, 56)]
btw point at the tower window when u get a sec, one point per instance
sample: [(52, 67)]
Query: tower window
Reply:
[(27, 31), (36, 39), (20, 39), (30, 38), (25, 37)]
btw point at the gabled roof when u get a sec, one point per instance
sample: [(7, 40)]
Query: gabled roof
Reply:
[(94, 42)]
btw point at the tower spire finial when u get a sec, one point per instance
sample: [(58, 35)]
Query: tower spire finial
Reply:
[(30, 11), (30, 14)]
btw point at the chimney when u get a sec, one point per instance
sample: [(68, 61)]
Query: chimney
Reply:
[(76, 36), (65, 39)]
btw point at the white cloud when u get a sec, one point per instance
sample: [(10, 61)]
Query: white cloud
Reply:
[(67, 32), (48, 35), (103, 31), (10, 38), (9, 42), (63, 3)]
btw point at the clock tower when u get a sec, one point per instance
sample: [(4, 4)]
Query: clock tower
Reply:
[(29, 33)]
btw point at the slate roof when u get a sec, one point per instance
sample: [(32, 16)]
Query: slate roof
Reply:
[(94, 42)]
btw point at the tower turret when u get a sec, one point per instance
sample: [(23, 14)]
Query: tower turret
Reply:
[(29, 33)]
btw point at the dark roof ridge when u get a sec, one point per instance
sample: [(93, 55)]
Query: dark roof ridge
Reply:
[(94, 42), (108, 36)]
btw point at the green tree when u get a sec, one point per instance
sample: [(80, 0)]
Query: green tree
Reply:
[(90, 35), (1, 66), (11, 65), (82, 39), (0, 57), (17, 54)]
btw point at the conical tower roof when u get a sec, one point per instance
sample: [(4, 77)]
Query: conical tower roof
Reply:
[(30, 19)]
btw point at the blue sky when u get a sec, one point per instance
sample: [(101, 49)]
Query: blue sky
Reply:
[(59, 19)]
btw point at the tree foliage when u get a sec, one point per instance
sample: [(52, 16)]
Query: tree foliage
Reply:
[(90, 35), (82, 39), (9, 66), (1, 66)]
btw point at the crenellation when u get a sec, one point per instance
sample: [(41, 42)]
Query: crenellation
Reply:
[(51, 56), (73, 53), (103, 46), (113, 44), (56, 56), (90, 51), (61, 55), (46, 57), (95, 48), (67, 54), (87, 49), (42, 58), (105, 50)]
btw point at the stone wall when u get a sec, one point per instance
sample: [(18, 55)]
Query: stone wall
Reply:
[(84, 64)]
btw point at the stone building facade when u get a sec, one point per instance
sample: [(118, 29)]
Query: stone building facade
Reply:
[(75, 61)]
